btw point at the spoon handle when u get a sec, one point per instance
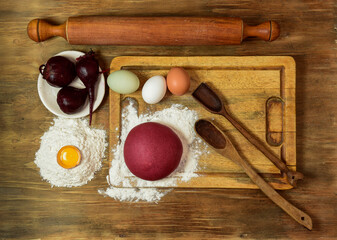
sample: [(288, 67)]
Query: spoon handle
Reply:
[(298, 215), (292, 176), (223, 145)]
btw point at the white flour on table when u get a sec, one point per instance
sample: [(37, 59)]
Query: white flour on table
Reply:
[(121, 180), (90, 141)]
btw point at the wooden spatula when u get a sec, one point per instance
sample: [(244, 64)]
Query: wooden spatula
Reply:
[(221, 143), (211, 101)]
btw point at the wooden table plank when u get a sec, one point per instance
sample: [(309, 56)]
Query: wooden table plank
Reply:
[(30, 209)]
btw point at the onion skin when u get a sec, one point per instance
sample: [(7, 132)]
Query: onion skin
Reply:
[(71, 100), (87, 69), (58, 71)]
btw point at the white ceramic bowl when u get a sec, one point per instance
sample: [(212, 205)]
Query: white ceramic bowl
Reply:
[(48, 94)]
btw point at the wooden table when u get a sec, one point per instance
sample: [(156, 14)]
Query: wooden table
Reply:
[(31, 209)]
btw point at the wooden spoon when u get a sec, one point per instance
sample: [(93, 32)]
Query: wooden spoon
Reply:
[(211, 101), (221, 143)]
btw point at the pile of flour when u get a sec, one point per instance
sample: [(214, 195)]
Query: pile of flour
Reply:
[(122, 181), (91, 143)]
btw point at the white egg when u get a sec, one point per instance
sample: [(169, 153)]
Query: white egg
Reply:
[(154, 89)]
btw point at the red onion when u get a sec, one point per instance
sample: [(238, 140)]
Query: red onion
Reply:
[(87, 70), (58, 71), (71, 100)]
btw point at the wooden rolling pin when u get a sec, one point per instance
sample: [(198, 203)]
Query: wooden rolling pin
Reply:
[(108, 30)]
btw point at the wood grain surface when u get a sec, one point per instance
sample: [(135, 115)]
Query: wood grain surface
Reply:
[(245, 85), (31, 209)]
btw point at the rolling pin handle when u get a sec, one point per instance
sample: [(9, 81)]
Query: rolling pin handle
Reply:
[(268, 31), (40, 30)]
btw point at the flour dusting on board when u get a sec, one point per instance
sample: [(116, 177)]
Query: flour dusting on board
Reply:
[(121, 180), (76, 132)]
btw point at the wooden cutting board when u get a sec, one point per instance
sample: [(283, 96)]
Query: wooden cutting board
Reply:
[(259, 92)]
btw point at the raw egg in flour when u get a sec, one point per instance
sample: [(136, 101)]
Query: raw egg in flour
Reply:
[(178, 81), (68, 157)]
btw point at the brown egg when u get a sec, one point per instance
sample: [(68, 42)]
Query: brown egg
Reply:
[(178, 81)]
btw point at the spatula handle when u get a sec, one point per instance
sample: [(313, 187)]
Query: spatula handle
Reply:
[(292, 176), (298, 215), (223, 145)]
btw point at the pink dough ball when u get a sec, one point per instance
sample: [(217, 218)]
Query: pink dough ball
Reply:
[(152, 151)]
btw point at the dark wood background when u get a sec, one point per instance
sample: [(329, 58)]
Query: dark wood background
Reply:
[(30, 209)]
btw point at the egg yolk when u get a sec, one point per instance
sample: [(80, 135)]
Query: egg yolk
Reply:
[(68, 157)]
